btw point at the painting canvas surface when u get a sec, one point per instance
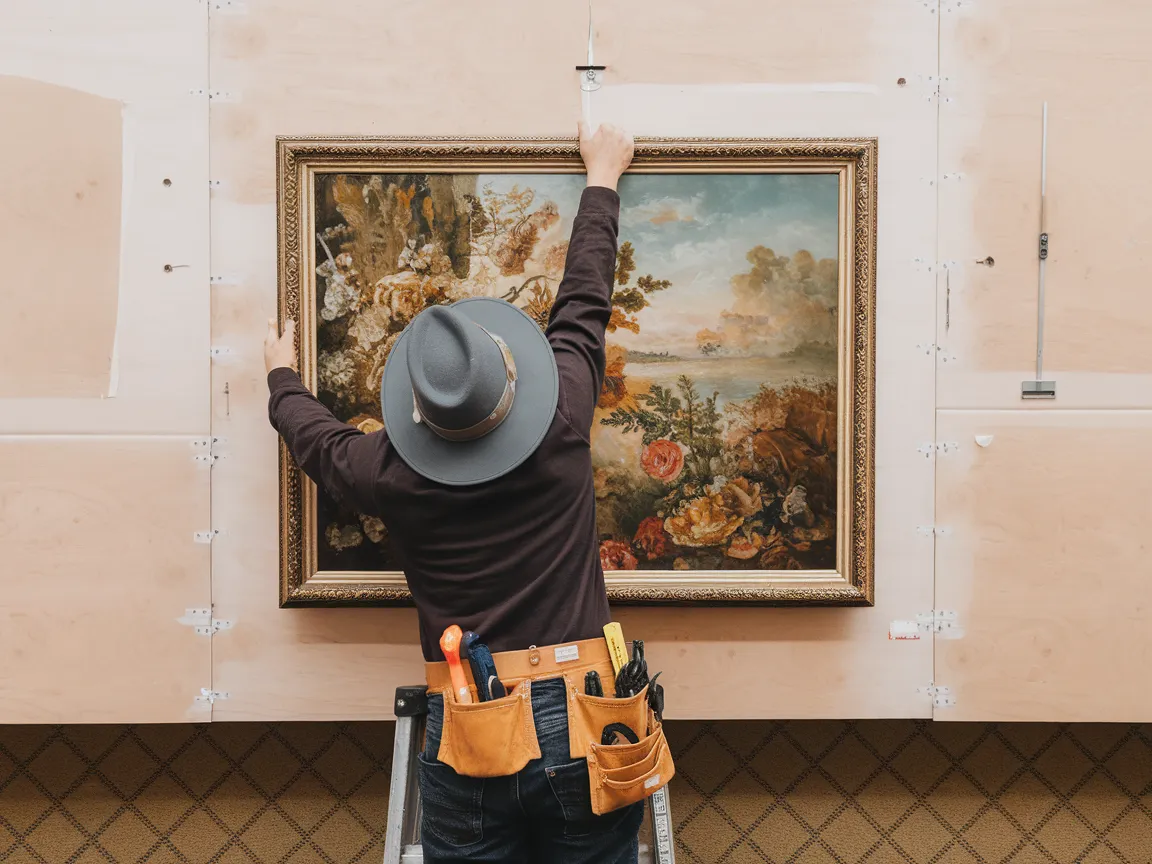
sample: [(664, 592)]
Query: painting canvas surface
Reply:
[(715, 440)]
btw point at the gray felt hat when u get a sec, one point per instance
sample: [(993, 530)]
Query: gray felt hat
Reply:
[(469, 391)]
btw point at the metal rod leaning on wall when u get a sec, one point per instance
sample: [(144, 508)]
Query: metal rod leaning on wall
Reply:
[(1041, 389)]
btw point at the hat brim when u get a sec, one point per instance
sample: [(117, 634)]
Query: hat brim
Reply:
[(467, 463)]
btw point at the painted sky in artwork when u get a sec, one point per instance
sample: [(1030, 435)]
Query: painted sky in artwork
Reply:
[(696, 230)]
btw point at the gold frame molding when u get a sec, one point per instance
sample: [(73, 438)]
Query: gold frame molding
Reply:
[(299, 160)]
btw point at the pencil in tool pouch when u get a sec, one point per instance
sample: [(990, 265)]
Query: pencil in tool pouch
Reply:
[(450, 645), (614, 636)]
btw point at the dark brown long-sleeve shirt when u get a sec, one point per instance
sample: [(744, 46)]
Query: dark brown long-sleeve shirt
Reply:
[(517, 559)]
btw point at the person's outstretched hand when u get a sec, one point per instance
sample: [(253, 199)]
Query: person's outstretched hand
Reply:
[(280, 351), (606, 154)]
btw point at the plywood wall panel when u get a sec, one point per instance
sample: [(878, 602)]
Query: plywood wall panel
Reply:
[(99, 565), (355, 67), (57, 197), (807, 663), (510, 72), (737, 41), (1047, 565), (99, 337), (1000, 62), (352, 68)]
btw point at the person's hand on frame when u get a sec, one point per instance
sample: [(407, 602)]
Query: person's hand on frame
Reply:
[(280, 350), (607, 153)]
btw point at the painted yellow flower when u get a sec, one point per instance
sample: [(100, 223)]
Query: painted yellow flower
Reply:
[(703, 521), (366, 424), (742, 497)]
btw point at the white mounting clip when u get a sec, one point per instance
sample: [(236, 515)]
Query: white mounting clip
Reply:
[(205, 536), (211, 696)]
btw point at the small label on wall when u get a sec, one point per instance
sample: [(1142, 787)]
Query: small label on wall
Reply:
[(567, 653), (903, 630)]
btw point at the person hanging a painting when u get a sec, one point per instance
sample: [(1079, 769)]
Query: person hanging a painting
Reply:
[(483, 476)]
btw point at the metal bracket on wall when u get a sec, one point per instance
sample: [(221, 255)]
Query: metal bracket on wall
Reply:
[(933, 530), (932, 448), (202, 623), (209, 451), (212, 696), (943, 622), (942, 697)]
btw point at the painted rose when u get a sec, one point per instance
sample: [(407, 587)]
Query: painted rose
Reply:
[(650, 538), (662, 460), (744, 548), (615, 555), (702, 521)]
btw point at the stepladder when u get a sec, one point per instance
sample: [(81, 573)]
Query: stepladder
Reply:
[(402, 840)]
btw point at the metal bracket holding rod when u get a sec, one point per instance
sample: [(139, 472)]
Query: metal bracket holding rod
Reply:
[(591, 75), (591, 78), (1041, 389)]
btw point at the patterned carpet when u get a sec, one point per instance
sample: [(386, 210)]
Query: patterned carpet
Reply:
[(802, 793)]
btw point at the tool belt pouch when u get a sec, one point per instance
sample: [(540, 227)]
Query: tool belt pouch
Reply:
[(588, 715), (489, 739), (618, 774), (622, 774)]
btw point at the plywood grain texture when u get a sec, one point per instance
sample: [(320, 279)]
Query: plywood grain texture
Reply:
[(735, 41), (99, 563), (1046, 564), (57, 334), (1000, 62), (112, 343), (720, 662)]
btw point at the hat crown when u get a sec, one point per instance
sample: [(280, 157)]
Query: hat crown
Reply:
[(457, 370)]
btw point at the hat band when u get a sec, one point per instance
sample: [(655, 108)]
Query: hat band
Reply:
[(494, 419)]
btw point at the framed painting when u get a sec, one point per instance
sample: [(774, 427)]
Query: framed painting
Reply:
[(733, 442)]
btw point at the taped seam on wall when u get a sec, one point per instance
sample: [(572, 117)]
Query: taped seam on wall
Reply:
[(127, 172)]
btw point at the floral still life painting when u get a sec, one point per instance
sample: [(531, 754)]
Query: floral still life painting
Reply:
[(717, 442), (714, 446)]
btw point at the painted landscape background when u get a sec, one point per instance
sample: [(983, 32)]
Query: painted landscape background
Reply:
[(714, 445)]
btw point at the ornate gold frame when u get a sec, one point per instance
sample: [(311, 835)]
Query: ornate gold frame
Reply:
[(298, 160)]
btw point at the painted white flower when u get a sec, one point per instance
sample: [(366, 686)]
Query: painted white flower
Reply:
[(340, 298), (336, 372), (370, 327), (340, 539), (374, 528)]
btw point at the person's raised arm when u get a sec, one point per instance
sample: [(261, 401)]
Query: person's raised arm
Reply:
[(336, 456), (583, 304)]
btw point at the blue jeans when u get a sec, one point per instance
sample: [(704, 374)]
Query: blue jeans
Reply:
[(543, 814)]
